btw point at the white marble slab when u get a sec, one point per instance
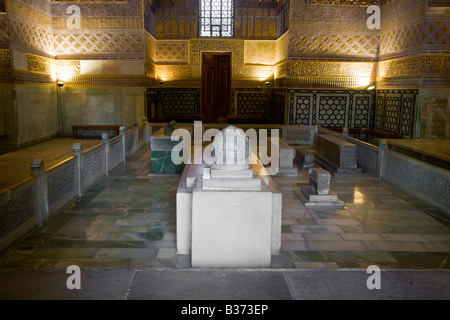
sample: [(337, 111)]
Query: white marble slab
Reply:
[(231, 231)]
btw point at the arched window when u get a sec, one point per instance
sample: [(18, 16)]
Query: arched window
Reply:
[(216, 18)]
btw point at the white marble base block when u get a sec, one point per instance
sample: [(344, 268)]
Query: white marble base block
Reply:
[(228, 216), (231, 229)]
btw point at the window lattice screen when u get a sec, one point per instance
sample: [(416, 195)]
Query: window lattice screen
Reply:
[(216, 18)]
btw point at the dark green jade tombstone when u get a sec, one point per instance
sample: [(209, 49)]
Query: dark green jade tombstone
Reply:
[(161, 147)]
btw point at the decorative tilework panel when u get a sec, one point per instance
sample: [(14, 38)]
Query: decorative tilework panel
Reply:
[(362, 109), (60, 184), (251, 104), (303, 108), (179, 102), (422, 178), (333, 110), (16, 210), (395, 111)]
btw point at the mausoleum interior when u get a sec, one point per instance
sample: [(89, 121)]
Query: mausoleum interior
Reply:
[(355, 96)]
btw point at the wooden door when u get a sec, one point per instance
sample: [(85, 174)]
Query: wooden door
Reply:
[(215, 87)]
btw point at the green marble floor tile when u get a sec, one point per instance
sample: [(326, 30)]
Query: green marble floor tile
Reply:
[(32, 263), (69, 236), (437, 237), (153, 235), (126, 253), (282, 264), (367, 229), (361, 259), (153, 264), (293, 245), (437, 246), (22, 249), (105, 220), (393, 246), (65, 252), (307, 221), (127, 236), (336, 246), (166, 253), (93, 263), (127, 228), (309, 256), (76, 229), (109, 244), (399, 222), (427, 260), (333, 214), (316, 265)]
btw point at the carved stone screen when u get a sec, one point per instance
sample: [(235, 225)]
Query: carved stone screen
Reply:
[(216, 18)]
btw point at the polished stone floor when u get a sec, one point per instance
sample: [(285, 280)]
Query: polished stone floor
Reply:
[(127, 220)]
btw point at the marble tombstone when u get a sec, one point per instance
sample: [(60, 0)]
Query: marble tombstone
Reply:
[(228, 208)]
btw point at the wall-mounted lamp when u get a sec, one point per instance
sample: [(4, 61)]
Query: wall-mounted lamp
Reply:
[(161, 83), (371, 88), (60, 84), (267, 83)]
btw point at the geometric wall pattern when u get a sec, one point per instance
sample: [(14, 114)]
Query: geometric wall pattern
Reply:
[(179, 20), (80, 43), (303, 108), (172, 51), (28, 35), (338, 44), (5, 59), (362, 111), (414, 66), (251, 103), (167, 102), (432, 35), (4, 30), (256, 27), (395, 111), (332, 108), (180, 103)]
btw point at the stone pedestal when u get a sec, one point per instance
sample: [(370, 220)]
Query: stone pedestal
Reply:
[(228, 216), (337, 156), (318, 194), (286, 158), (231, 229)]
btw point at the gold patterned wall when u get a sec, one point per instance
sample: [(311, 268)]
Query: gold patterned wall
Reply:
[(409, 27), (415, 45), (5, 36), (255, 20), (5, 58), (326, 40), (29, 26), (324, 31), (177, 19), (172, 51), (421, 65), (107, 30), (332, 74)]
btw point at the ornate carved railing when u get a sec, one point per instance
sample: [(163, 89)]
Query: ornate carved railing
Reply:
[(32, 202)]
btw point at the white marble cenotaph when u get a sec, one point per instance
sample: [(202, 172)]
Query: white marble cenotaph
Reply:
[(228, 211)]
